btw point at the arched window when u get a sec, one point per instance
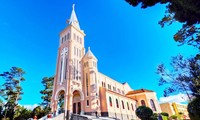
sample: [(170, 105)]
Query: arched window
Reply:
[(132, 106), (117, 104), (152, 105), (127, 105), (65, 38), (122, 104), (110, 101), (143, 103), (68, 36)]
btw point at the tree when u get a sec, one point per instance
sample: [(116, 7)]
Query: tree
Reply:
[(47, 93), (11, 90), (38, 111), (144, 113), (183, 77), (22, 113), (183, 11), (194, 109)]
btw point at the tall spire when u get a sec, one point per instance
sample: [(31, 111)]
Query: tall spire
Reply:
[(73, 19)]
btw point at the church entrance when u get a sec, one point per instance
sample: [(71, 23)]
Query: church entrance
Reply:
[(60, 105), (76, 102)]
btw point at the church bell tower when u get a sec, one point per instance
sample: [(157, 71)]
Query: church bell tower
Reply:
[(67, 90)]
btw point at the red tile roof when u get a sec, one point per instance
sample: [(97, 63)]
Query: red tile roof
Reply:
[(138, 91)]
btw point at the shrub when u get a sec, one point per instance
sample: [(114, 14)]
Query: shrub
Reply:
[(154, 116), (164, 114), (144, 113), (173, 117)]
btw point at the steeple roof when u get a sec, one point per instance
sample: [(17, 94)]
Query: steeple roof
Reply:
[(89, 54), (73, 19)]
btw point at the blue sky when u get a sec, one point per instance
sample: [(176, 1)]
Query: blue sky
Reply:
[(127, 41)]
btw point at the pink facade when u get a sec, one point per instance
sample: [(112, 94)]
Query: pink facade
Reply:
[(80, 88)]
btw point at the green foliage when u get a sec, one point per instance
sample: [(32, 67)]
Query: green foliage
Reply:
[(38, 111), (154, 116), (22, 113), (173, 117), (164, 114), (184, 76), (165, 117), (11, 90), (194, 109), (184, 11), (47, 93), (144, 113)]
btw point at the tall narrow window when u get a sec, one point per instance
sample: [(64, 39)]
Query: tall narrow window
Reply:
[(66, 69), (77, 52), (152, 105), (127, 105), (117, 104), (61, 70), (122, 104), (132, 106), (77, 39), (87, 103), (74, 69), (87, 84), (74, 36), (102, 84), (74, 50), (62, 40), (68, 36), (110, 101), (77, 71), (65, 38), (143, 103)]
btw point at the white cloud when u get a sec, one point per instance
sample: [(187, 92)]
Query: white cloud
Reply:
[(179, 98), (30, 107)]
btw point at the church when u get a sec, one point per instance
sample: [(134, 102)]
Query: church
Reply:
[(79, 88)]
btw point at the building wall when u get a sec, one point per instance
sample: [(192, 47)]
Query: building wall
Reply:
[(78, 73), (115, 107), (146, 97), (113, 85), (168, 108), (180, 108), (174, 108)]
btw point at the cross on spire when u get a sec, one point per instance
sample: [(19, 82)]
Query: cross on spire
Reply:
[(73, 6), (73, 19)]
